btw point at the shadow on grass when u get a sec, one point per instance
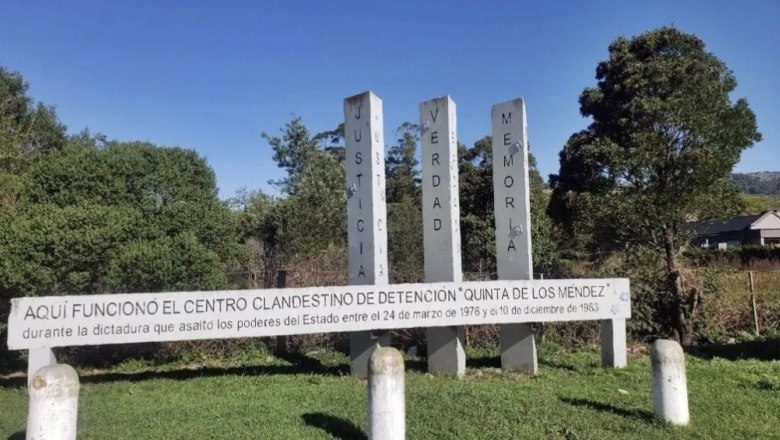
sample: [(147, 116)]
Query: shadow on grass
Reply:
[(335, 426), (558, 365), (300, 365), (21, 435), (762, 350), (305, 363), (495, 362), (484, 362), (641, 415)]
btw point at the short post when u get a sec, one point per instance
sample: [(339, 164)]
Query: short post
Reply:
[(670, 389), (753, 303), (281, 341), (613, 343), (54, 403), (386, 400)]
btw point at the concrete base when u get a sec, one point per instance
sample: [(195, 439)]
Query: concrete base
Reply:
[(518, 348), (38, 358), (362, 346), (613, 343), (446, 350)]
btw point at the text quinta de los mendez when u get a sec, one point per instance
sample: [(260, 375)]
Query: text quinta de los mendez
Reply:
[(297, 309)]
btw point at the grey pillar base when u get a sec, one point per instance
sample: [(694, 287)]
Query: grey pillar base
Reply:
[(446, 350), (518, 348), (613, 343), (38, 358), (361, 346)]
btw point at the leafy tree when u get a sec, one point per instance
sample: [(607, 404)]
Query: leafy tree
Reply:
[(402, 171), (125, 217), (478, 215), (291, 151), (330, 141), (310, 216), (658, 154), (27, 131), (316, 216), (173, 188)]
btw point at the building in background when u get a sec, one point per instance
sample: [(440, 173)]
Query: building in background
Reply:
[(755, 230)]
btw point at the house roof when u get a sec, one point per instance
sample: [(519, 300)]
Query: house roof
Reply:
[(726, 225)]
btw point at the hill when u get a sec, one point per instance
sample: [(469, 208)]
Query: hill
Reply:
[(763, 182)]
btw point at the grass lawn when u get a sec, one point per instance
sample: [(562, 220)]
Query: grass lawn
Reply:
[(311, 398)]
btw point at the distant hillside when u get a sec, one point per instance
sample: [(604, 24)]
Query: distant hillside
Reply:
[(764, 182)]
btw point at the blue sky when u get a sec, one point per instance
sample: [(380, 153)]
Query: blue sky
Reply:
[(212, 75)]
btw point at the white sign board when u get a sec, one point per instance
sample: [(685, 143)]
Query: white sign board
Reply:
[(56, 321)]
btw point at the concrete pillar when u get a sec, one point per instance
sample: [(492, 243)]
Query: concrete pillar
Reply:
[(38, 358), (513, 223), (518, 348), (54, 404), (670, 389), (386, 395), (446, 350), (613, 343), (366, 211), (441, 224)]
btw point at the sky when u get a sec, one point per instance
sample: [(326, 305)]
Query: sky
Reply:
[(213, 75)]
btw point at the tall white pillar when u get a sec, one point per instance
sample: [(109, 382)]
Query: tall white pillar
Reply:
[(513, 223), (366, 211), (441, 224)]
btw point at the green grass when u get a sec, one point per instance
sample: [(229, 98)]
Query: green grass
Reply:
[(264, 397)]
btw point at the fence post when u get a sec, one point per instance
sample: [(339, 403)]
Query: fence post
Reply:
[(670, 388), (386, 396), (753, 302), (54, 403), (281, 341)]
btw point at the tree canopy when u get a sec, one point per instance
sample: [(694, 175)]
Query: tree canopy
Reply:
[(659, 152)]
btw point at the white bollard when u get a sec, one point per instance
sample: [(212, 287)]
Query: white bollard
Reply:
[(670, 390), (386, 401), (54, 402)]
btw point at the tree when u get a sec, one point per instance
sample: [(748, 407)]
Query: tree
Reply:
[(291, 152), (478, 216), (402, 171), (88, 215), (659, 153), (28, 130)]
